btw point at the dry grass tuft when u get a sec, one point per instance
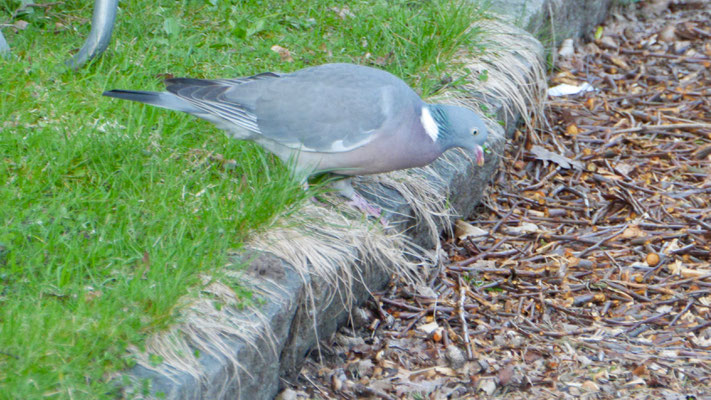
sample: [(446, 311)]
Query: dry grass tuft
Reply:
[(510, 74), (332, 242), (207, 329)]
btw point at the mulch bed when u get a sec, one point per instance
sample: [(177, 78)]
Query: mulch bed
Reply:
[(587, 273)]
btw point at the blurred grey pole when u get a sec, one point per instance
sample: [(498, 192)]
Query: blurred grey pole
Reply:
[(102, 24), (4, 48)]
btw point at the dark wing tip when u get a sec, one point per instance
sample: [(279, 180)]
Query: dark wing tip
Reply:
[(188, 81), (122, 94), (175, 84), (135, 95), (113, 93)]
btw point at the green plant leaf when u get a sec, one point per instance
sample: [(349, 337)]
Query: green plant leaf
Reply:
[(256, 27), (171, 26), (598, 32)]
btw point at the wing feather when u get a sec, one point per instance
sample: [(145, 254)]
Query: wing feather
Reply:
[(208, 96), (330, 108)]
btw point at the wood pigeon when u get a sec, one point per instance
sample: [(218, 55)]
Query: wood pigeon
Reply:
[(340, 118)]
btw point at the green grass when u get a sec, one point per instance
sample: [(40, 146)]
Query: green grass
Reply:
[(109, 210)]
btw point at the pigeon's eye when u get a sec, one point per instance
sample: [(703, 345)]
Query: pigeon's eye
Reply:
[(474, 131)]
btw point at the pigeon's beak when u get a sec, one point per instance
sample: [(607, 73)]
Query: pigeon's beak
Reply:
[(479, 154)]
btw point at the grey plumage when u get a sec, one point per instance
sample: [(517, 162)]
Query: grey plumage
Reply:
[(341, 118)]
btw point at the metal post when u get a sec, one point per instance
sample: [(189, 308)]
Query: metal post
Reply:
[(102, 24), (4, 47)]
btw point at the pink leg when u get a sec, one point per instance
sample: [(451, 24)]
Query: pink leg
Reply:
[(357, 201), (362, 204)]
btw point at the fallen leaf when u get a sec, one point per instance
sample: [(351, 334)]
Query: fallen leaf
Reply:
[(547, 155), (590, 386), (429, 328), (504, 376), (463, 230), (633, 231), (284, 53), (678, 268), (668, 33), (525, 227), (701, 341), (609, 42), (21, 25), (624, 168), (620, 62), (426, 292), (488, 386)]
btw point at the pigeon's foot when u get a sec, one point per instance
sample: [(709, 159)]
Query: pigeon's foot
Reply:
[(359, 202)]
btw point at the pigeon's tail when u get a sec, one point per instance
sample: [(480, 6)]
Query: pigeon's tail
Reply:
[(158, 99)]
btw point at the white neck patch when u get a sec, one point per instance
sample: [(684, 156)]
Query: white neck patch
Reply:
[(429, 124)]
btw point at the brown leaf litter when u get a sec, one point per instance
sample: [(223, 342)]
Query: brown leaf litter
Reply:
[(587, 273)]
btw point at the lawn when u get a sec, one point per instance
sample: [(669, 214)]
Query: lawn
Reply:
[(110, 210)]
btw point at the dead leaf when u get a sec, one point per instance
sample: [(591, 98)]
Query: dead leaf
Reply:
[(668, 33), (590, 386), (620, 62), (284, 53), (505, 374), (463, 230), (426, 292), (624, 168), (608, 42), (633, 231), (21, 25), (563, 161), (429, 328), (487, 385), (525, 227), (640, 370), (678, 268)]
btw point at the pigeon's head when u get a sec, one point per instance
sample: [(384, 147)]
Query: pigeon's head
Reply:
[(459, 127)]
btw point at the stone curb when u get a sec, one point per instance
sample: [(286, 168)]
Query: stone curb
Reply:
[(287, 332)]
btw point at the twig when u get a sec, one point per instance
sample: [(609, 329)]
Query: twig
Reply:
[(644, 128), (599, 243), (465, 325), (662, 55), (686, 308), (637, 323)]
